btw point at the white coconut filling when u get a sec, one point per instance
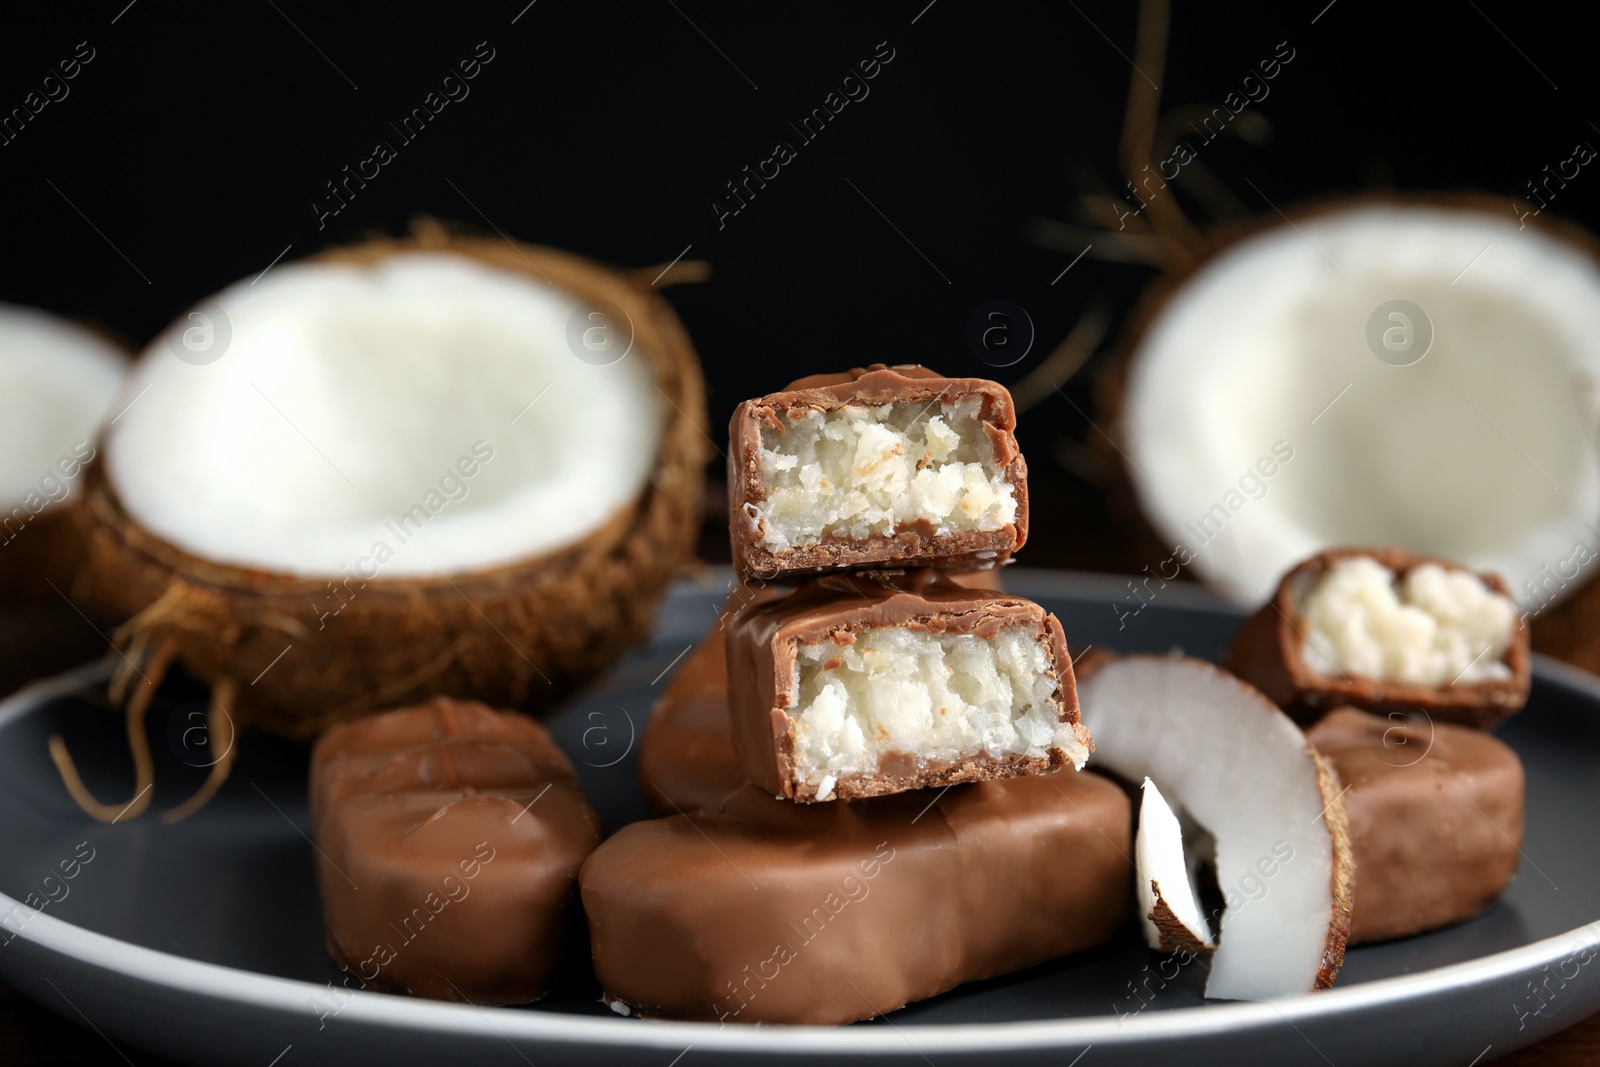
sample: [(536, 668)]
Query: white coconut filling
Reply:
[(863, 471), (1433, 627), (928, 696), (57, 381), (423, 415), (1482, 451)]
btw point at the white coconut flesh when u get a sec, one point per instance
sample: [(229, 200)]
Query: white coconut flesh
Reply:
[(1242, 770), (1482, 451), (421, 416), (57, 382), (942, 697), (1163, 867), (1434, 627)]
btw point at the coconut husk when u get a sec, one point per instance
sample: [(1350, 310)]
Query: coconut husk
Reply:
[(38, 562), (1570, 630), (522, 635)]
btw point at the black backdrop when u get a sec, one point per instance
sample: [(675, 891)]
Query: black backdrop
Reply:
[(190, 149)]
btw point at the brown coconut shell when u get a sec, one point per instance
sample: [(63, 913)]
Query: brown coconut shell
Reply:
[(1570, 631), (520, 635), (1268, 652), (1342, 879), (39, 561), (1172, 932)]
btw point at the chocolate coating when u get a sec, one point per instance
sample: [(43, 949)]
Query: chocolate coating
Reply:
[(686, 754), (464, 829), (912, 545), (1268, 652), (1435, 816), (761, 654), (766, 911)]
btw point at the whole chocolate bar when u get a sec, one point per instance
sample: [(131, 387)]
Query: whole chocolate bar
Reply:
[(1435, 818), (686, 754), (854, 687), (766, 911), (449, 838), (881, 467), (1386, 630)]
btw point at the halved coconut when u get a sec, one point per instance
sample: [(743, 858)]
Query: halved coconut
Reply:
[(438, 465), (1246, 774), (1415, 372), (57, 382), (1168, 905)]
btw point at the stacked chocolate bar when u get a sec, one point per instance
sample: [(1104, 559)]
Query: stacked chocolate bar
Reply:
[(883, 674), (864, 672)]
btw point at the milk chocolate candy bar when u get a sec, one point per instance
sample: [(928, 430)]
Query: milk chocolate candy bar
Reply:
[(852, 687), (766, 911), (882, 467), (449, 838), (1435, 818), (686, 754), (1386, 630)]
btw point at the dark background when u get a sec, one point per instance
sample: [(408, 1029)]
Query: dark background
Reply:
[(189, 150), (198, 137)]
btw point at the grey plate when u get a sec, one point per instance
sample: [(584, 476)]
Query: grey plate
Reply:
[(203, 942)]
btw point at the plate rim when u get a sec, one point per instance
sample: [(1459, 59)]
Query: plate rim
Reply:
[(289, 996)]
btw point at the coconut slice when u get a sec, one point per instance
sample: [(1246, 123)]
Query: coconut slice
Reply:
[(1168, 905), (441, 465), (57, 382), (1244, 772), (1421, 374)]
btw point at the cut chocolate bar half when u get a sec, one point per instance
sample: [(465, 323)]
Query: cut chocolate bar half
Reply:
[(881, 467), (856, 686), (1385, 630), (686, 754)]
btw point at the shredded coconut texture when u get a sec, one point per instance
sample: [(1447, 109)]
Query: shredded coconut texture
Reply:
[(928, 696), (858, 472), (1434, 627)]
